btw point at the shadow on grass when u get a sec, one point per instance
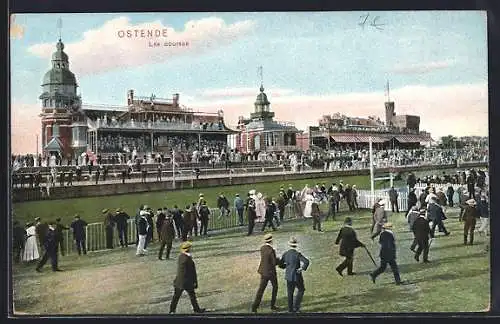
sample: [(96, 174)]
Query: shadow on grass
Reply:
[(228, 254), (168, 298), (465, 275)]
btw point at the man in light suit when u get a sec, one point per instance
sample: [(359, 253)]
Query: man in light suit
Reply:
[(267, 271), (291, 261)]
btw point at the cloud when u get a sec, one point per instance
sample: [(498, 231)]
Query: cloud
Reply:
[(25, 126), (16, 30), (103, 49), (424, 67), (458, 110)]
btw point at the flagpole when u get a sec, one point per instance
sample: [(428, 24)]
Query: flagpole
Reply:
[(372, 181), (173, 169)]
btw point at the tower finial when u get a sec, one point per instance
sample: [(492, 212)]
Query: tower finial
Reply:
[(387, 91), (261, 75), (59, 27)]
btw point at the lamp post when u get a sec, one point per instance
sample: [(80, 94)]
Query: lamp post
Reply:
[(372, 180)]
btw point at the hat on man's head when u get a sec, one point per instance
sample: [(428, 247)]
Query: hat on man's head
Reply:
[(348, 220), (268, 238), (186, 245), (37, 219), (471, 202), (292, 242), (201, 195), (387, 225), (237, 195), (77, 216), (118, 210), (105, 210)]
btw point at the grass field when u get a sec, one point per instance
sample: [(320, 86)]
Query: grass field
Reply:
[(90, 208), (118, 282)]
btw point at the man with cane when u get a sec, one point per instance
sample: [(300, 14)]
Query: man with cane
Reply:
[(387, 254), (348, 243)]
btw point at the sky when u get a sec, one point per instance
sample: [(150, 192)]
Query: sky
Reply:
[(313, 63)]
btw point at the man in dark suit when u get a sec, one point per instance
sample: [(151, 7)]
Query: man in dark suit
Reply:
[(188, 222), (18, 240), (50, 246), (160, 218), (179, 222), (41, 230), (251, 214), (268, 218), (267, 271), (316, 216), (186, 279), (387, 254), (294, 263), (348, 243), (59, 234), (204, 215), (412, 199), (109, 224), (422, 233), (471, 214), (121, 219), (436, 215), (167, 235), (393, 197), (78, 226)]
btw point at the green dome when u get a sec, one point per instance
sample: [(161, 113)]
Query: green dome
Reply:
[(59, 76), (262, 98)]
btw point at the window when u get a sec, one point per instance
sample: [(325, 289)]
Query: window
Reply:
[(55, 131)]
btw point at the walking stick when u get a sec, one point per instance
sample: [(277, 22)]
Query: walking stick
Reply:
[(370, 255), (430, 242)]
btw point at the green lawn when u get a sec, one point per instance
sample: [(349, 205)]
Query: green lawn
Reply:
[(118, 282), (90, 208)]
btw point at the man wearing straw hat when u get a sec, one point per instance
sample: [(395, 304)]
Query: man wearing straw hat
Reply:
[(251, 212), (186, 279), (387, 254), (471, 214), (348, 243), (267, 271), (379, 217), (291, 261)]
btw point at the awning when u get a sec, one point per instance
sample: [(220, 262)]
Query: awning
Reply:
[(408, 138), (54, 145), (345, 138), (380, 138)]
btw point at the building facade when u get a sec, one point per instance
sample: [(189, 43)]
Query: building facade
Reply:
[(261, 133), (339, 131), (144, 125)]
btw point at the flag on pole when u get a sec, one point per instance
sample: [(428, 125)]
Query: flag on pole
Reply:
[(59, 26)]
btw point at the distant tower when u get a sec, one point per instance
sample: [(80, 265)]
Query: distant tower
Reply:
[(60, 107), (262, 111), (389, 108)]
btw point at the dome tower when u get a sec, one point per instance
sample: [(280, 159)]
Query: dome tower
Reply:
[(61, 108)]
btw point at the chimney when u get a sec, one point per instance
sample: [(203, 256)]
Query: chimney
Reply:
[(176, 99), (130, 97)]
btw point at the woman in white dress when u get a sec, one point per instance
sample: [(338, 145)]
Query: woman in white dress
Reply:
[(31, 247), (260, 208)]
